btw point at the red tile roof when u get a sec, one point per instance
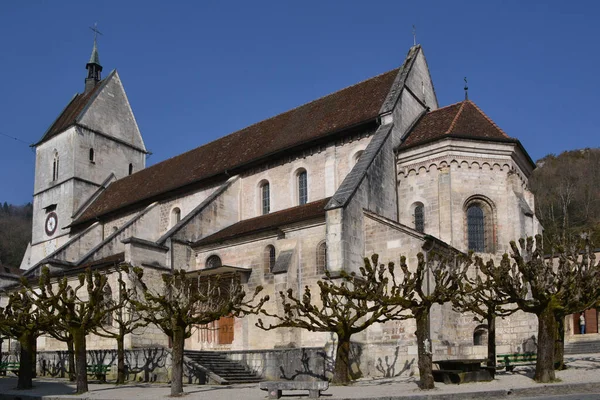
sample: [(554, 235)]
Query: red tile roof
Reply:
[(268, 222), (343, 109), (69, 115), (460, 119)]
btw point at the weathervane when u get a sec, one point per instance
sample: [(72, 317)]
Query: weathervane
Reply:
[(466, 90), (96, 31)]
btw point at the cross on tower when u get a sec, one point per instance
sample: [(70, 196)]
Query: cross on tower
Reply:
[(466, 90), (96, 31)]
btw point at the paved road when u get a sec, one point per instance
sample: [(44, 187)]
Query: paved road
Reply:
[(582, 396)]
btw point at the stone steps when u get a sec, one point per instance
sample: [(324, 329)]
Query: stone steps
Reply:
[(582, 347), (219, 364)]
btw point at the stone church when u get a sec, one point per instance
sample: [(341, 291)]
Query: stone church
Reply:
[(377, 167)]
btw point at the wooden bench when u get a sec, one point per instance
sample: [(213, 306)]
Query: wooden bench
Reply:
[(274, 388), (510, 361), (9, 367), (98, 370)]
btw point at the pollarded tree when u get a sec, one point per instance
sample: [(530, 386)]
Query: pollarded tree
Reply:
[(77, 310), (345, 305), (549, 288), (185, 301), (435, 281), (479, 295), (21, 319), (123, 321)]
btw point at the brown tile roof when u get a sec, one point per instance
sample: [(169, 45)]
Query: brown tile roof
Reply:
[(69, 115), (268, 222), (343, 109), (463, 119)]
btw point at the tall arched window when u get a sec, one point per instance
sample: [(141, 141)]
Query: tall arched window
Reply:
[(107, 301), (302, 185), (213, 261), (175, 216), (130, 168), (357, 156), (321, 258), (476, 228), (91, 155), (265, 198), (419, 218), (55, 167), (269, 259)]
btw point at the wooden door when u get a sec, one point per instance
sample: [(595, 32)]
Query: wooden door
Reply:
[(591, 321), (225, 330)]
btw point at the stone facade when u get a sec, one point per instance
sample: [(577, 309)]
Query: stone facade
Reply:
[(374, 185)]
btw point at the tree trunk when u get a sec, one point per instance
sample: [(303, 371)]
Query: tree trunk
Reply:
[(120, 359), (559, 346), (342, 361), (424, 350), (80, 361), (25, 365), (177, 362), (544, 367), (491, 346), (71, 354)]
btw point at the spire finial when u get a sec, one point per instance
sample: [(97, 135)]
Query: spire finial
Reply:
[(414, 35), (466, 90), (93, 65)]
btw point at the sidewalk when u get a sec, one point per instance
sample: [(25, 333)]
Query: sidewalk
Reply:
[(583, 376)]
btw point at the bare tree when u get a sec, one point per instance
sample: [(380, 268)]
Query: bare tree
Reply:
[(479, 295), (567, 282), (185, 301), (123, 321), (77, 310), (345, 305), (435, 280), (22, 320)]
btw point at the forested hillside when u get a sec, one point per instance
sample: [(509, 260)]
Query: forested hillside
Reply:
[(567, 194), (15, 233)]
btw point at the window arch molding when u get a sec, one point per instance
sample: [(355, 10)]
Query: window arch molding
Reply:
[(480, 224), (419, 218), (264, 197), (480, 335), (300, 186), (174, 216), (321, 259), (55, 165), (269, 258), (355, 156), (213, 261)]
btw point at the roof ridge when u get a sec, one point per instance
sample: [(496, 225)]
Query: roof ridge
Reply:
[(453, 123), (267, 119), (488, 118), (305, 104), (443, 108)]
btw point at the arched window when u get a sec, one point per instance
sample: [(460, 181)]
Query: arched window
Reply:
[(213, 261), (130, 168), (302, 186), (480, 335), (476, 228), (175, 216), (419, 218), (55, 167), (92, 155), (321, 258), (265, 198), (357, 156), (269, 259), (479, 215), (107, 301)]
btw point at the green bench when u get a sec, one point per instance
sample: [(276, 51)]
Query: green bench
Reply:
[(9, 367), (98, 370), (510, 361)]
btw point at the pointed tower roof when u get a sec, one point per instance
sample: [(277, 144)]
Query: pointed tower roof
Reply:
[(94, 58), (462, 119)]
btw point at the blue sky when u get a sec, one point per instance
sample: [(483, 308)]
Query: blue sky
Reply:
[(198, 70)]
